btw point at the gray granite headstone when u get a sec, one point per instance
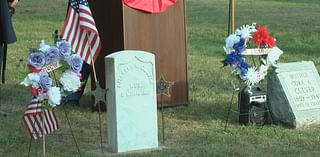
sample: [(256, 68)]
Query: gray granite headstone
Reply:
[(131, 101), (294, 94)]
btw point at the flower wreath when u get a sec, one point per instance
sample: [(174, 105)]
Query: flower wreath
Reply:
[(45, 60), (236, 50)]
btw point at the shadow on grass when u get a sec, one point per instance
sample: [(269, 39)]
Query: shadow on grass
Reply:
[(205, 111), (13, 96)]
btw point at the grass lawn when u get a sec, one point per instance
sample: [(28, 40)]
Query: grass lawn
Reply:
[(193, 131)]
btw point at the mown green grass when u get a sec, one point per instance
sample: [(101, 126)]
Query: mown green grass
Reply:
[(195, 130)]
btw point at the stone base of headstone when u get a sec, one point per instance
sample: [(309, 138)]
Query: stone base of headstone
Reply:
[(294, 94), (107, 152)]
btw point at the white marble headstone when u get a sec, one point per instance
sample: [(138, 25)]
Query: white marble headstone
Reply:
[(131, 101), (294, 94)]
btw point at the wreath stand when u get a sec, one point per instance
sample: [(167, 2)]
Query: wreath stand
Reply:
[(235, 89), (249, 102), (97, 94), (253, 102), (44, 136)]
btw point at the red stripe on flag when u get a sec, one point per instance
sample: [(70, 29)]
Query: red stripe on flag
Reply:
[(76, 33), (66, 23), (54, 120), (48, 122), (70, 18), (38, 124), (85, 11), (40, 121), (84, 45), (79, 44), (26, 121), (34, 131), (96, 54), (89, 54)]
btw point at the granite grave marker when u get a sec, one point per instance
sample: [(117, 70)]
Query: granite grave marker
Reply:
[(294, 94)]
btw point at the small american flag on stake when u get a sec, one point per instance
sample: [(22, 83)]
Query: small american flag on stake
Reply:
[(39, 121), (80, 30)]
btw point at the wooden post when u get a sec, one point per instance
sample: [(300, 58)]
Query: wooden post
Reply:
[(95, 83), (231, 21), (44, 145), (43, 135), (232, 17)]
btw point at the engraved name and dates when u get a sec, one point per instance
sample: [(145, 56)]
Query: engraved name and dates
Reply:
[(135, 87), (304, 89)]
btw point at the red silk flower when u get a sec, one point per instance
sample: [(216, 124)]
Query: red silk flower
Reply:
[(270, 42), (262, 38), (33, 69), (35, 91), (151, 6)]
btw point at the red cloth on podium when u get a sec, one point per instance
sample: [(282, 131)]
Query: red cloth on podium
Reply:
[(151, 6)]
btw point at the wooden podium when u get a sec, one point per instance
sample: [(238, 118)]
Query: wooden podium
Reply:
[(164, 34)]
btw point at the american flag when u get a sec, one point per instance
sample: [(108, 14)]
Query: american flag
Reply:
[(80, 30), (39, 121)]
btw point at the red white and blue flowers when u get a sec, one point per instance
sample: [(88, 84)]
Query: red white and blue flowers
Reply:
[(45, 60), (236, 49)]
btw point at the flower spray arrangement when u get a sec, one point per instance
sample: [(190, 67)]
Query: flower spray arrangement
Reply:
[(264, 47), (43, 62)]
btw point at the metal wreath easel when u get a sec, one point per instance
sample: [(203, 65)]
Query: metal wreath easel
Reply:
[(64, 102), (96, 93), (235, 88)]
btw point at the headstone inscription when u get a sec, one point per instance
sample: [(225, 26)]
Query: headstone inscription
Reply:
[(131, 101), (294, 94)]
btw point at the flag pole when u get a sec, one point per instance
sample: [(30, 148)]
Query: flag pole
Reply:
[(92, 63), (231, 21), (96, 81), (44, 145), (232, 17), (43, 135)]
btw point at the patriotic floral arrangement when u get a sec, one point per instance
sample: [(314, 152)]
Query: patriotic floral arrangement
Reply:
[(236, 50), (42, 62)]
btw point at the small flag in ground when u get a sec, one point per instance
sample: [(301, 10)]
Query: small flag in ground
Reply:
[(39, 121), (80, 30)]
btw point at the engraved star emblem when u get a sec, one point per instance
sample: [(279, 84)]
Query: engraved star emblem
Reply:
[(99, 94), (163, 86)]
